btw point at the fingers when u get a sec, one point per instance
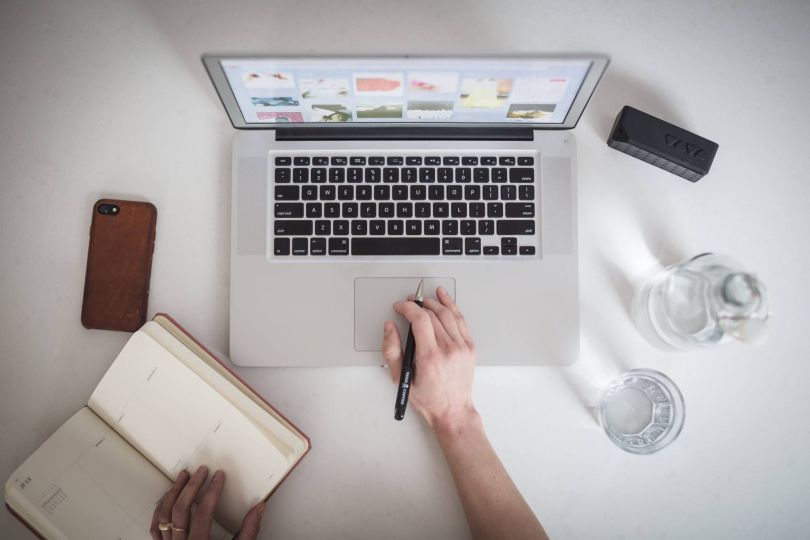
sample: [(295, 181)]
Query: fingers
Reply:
[(252, 523), (421, 325), (448, 320), (165, 507), (448, 302), (154, 532), (181, 511), (204, 516), (392, 349)]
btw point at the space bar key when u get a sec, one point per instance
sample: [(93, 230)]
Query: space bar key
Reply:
[(395, 246)]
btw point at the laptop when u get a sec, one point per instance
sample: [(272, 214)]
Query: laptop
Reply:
[(355, 178)]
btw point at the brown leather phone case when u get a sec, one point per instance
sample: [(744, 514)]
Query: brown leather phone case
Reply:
[(119, 263)]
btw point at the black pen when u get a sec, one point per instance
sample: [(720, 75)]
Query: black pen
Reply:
[(408, 372)]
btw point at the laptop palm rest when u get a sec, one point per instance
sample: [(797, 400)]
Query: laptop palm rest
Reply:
[(373, 304)]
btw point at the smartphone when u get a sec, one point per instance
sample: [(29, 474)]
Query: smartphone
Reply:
[(119, 264)]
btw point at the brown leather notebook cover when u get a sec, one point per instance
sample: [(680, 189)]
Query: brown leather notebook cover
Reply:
[(119, 264)]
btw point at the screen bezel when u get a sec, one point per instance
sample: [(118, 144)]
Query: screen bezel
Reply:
[(213, 65)]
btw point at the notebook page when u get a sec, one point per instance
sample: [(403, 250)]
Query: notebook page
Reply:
[(179, 422), (85, 481)]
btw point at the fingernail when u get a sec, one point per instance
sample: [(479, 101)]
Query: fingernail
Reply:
[(202, 469), (387, 327), (262, 507), (218, 476)]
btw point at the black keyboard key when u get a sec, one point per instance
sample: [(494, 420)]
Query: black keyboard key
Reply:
[(452, 246), (320, 160), (454, 193), (338, 246), (506, 161), (314, 210), (357, 160), (491, 250), (427, 175), (472, 193), (508, 241), (405, 210), (331, 210), (301, 161), (413, 227), (495, 210), (376, 160), (395, 160), (422, 210), (390, 175), (527, 250), (373, 175), (481, 175), (317, 246), (508, 192), (432, 227), (463, 175), (340, 227), (467, 227), (445, 175), (486, 227), (526, 193), (377, 227), (382, 193), (327, 193), (309, 193), (282, 176), (318, 175), (395, 246), (290, 227), (368, 210), (337, 176), (299, 246), (472, 246), (509, 250), (413, 160), (467, 160), (458, 210), (449, 227), (350, 210), (490, 193), (525, 160), (354, 175), (395, 227), (323, 227), (289, 210), (515, 226), (449, 160), (359, 227), (409, 175), (283, 161), (418, 193), (441, 210), (339, 160), (386, 210), (433, 160), (521, 176), (345, 193), (287, 193), (436, 193), (519, 209), (499, 175), (489, 161), (281, 246), (300, 176), (363, 192), (477, 210), (399, 193)]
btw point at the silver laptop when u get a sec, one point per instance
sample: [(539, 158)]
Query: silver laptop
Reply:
[(354, 178)]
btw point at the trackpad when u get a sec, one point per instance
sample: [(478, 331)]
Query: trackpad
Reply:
[(373, 301)]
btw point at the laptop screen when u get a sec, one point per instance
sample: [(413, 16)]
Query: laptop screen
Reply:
[(271, 91)]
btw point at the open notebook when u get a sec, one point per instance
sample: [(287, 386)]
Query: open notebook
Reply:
[(166, 404)]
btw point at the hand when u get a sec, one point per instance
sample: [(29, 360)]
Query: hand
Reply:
[(175, 509), (444, 358)]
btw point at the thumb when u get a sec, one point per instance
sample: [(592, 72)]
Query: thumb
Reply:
[(252, 523), (392, 349)]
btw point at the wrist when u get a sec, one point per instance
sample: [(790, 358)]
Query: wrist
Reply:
[(455, 424)]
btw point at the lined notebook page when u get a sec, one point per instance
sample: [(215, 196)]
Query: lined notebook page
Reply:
[(179, 422)]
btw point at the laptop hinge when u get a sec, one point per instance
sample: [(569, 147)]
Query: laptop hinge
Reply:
[(403, 133)]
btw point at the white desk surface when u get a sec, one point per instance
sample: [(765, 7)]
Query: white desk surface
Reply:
[(110, 99)]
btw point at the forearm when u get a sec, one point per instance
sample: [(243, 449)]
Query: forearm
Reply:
[(494, 507)]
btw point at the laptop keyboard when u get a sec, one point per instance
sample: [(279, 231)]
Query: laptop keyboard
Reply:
[(427, 204)]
